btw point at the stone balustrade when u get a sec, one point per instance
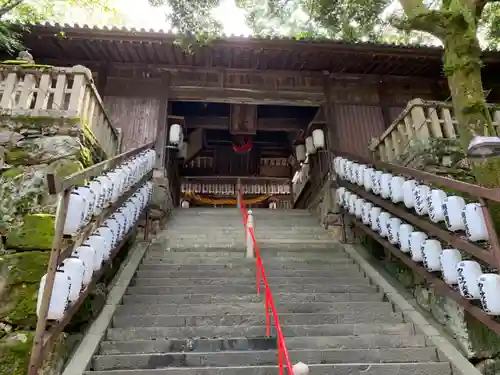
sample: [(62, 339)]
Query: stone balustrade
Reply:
[(419, 123), (65, 97)]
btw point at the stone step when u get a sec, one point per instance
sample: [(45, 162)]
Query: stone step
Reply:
[(263, 357), (211, 264), (193, 320), (273, 281), (153, 333), (158, 270), (429, 368), (248, 289), (354, 308), (373, 341), (156, 298)]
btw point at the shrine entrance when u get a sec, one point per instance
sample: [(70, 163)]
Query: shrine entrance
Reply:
[(238, 146)]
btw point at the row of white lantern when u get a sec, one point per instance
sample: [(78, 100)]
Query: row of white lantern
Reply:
[(75, 272), (453, 210), (314, 142), (472, 283), (90, 200)]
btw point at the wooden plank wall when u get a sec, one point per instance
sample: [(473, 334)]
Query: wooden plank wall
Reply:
[(137, 118), (360, 111)]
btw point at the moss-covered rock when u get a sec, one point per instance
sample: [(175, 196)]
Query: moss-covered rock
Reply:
[(65, 167), (15, 353), (21, 274), (17, 156), (36, 233), (13, 172)]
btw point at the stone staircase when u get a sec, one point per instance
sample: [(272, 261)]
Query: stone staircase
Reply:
[(192, 307)]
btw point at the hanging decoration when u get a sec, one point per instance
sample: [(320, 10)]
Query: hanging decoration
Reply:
[(245, 146), (203, 200)]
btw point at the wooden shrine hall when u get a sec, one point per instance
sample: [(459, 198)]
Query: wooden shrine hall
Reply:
[(244, 104)]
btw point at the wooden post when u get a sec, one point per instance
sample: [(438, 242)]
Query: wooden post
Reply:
[(249, 238), (162, 126), (38, 344)]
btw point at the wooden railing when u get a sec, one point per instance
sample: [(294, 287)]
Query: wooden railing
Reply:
[(28, 90), (379, 199), (420, 122), (64, 245)]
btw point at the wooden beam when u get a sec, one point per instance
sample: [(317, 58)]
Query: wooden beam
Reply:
[(266, 124)]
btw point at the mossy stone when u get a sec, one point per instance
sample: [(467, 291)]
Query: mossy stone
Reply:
[(12, 172), (484, 342), (21, 273), (17, 156), (36, 233), (65, 167), (15, 353)]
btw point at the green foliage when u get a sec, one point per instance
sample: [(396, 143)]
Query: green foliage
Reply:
[(16, 14)]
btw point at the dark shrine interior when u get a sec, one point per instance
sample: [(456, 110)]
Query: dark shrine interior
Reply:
[(217, 150)]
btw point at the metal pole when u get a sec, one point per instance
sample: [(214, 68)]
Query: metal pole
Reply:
[(249, 239)]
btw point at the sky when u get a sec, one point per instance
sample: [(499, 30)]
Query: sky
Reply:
[(139, 14)]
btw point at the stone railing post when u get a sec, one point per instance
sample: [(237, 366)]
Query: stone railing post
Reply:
[(249, 239)]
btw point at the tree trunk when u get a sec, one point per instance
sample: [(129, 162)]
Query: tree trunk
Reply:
[(462, 65)]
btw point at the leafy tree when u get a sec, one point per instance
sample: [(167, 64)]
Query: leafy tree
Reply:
[(17, 15), (455, 24)]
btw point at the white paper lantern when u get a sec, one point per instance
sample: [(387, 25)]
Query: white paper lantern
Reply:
[(347, 169), (420, 199), (489, 290), (432, 255), (310, 149), (353, 176), (360, 175), (339, 195), (385, 189), (405, 230), (347, 197), (358, 207), (176, 135), (318, 139), (475, 225), (368, 178), (416, 245), (435, 201), (382, 221), (393, 229), (452, 209), (376, 183), (366, 212), (300, 153), (468, 274), (342, 168), (449, 261), (74, 269), (374, 213), (60, 296), (396, 188), (352, 203), (408, 197)]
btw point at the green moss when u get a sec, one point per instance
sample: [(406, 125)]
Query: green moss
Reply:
[(25, 267), (65, 167), (17, 156), (36, 234), (38, 122), (22, 272), (484, 342), (12, 172), (15, 353)]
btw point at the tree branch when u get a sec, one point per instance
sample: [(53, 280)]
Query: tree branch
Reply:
[(419, 17), (11, 4)]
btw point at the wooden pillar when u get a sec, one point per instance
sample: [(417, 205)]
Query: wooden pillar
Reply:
[(384, 103), (162, 125)]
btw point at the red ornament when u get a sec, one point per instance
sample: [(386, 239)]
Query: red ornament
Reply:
[(246, 147)]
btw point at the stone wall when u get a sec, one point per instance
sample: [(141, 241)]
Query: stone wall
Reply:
[(31, 147), (482, 346), (324, 207)]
